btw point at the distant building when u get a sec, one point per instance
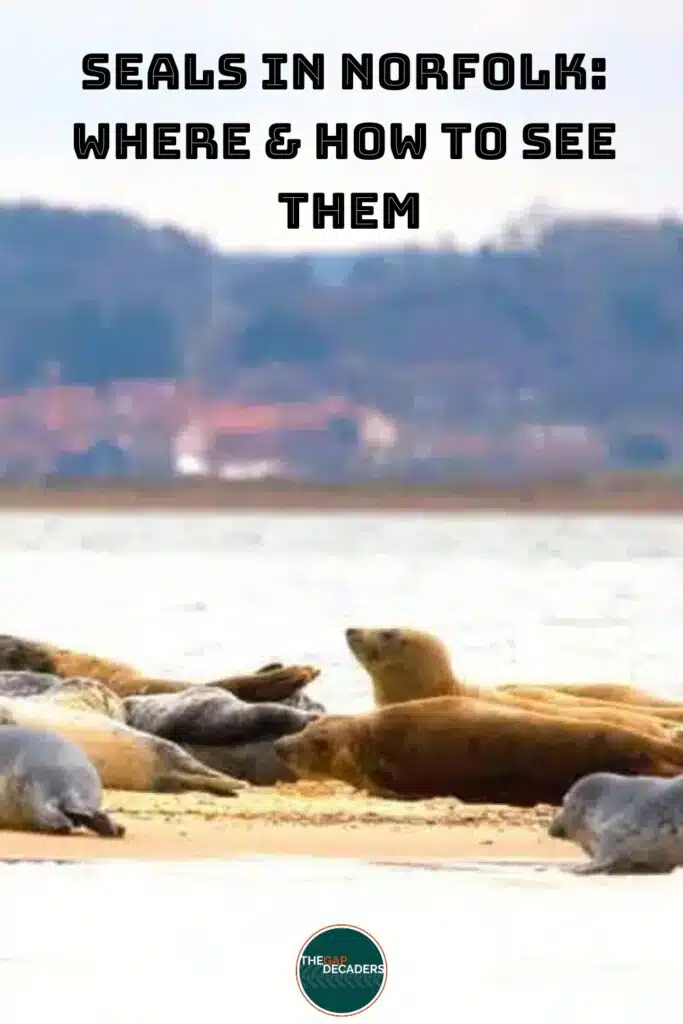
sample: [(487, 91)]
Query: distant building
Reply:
[(324, 438), (556, 447), (158, 429)]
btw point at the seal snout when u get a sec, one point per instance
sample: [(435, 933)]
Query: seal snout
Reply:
[(355, 639), (556, 829)]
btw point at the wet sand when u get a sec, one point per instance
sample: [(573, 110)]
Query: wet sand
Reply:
[(309, 819), (647, 493)]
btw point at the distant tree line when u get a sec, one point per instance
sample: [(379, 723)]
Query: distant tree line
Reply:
[(582, 322)]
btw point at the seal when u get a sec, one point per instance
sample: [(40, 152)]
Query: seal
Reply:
[(404, 664), (408, 664), (25, 683), (611, 693), (89, 695), (212, 716), (273, 682), (222, 731), (626, 825), (257, 763), (476, 750), (47, 784), (125, 758), (218, 728), (74, 692)]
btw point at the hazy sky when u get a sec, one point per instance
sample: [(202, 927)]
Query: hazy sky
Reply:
[(235, 203)]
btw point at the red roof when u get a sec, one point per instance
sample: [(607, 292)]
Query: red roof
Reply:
[(220, 417)]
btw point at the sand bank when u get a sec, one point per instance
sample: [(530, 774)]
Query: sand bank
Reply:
[(324, 820)]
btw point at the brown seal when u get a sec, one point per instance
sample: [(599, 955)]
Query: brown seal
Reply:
[(404, 664), (606, 693), (626, 825), (408, 664), (473, 749), (273, 682)]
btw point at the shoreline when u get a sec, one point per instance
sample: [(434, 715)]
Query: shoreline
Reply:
[(620, 494), (303, 819), (159, 842)]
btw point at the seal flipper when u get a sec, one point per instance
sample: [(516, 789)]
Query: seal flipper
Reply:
[(178, 771), (50, 818), (618, 866), (595, 867), (98, 822), (273, 682), (211, 782)]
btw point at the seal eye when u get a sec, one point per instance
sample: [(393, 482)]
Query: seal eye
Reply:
[(388, 634)]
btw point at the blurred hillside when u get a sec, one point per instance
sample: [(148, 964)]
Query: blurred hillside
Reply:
[(126, 349)]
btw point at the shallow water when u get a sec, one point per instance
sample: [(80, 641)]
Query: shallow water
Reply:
[(558, 598)]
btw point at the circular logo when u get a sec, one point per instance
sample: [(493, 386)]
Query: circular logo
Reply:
[(341, 970)]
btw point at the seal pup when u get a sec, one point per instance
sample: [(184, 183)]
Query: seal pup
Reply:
[(472, 749), (625, 825), (272, 682), (221, 730), (409, 664), (126, 758), (47, 784)]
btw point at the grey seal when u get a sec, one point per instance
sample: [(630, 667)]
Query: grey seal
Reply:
[(25, 683), (219, 729), (223, 731), (626, 824), (48, 784), (78, 692), (211, 716)]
